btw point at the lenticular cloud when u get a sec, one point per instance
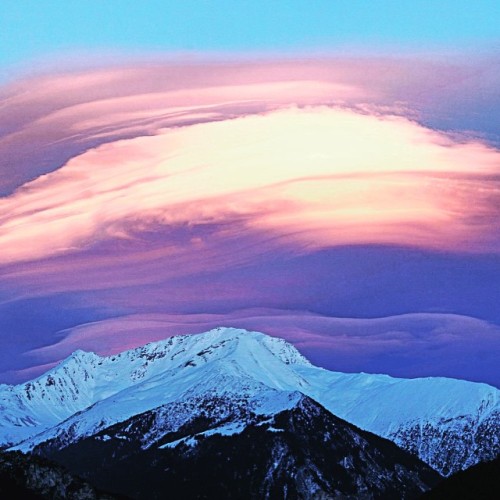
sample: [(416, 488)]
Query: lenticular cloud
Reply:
[(317, 175), (214, 188)]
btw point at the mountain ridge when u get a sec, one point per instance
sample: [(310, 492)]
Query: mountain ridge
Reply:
[(94, 392), (295, 450)]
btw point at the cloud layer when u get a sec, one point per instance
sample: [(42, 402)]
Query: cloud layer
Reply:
[(322, 175), (214, 188), (429, 344)]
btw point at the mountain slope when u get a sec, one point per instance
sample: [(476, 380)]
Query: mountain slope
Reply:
[(224, 362), (85, 378), (33, 478), (450, 424), (479, 482), (230, 449)]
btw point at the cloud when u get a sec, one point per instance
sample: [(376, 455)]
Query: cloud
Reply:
[(47, 120), (322, 175), (328, 151), (222, 186), (413, 345)]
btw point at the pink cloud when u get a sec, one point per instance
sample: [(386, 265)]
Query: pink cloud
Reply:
[(322, 175), (131, 185), (46, 120), (411, 343)]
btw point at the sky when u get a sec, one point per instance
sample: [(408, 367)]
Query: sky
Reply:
[(327, 172)]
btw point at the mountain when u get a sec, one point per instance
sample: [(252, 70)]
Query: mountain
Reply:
[(479, 482), (228, 450), (449, 424), (33, 478), (111, 389)]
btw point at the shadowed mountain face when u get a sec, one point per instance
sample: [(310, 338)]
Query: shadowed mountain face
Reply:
[(34, 478), (228, 451), (480, 482)]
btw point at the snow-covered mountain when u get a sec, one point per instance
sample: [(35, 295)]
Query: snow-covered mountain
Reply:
[(116, 387), (449, 424), (214, 447)]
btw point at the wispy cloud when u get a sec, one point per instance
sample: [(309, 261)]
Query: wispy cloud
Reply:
[(325, 176)]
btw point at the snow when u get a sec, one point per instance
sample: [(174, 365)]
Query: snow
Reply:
[(379, 403), (223, 361), (87, 393), (173, 444), (226, 430)]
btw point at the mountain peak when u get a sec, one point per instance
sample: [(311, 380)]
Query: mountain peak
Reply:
[(79, 355), (221, 340)]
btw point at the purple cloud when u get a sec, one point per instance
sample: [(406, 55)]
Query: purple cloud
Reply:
[(413, 345), (213, 188)]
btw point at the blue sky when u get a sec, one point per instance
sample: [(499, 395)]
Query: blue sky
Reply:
[(31, 29)]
